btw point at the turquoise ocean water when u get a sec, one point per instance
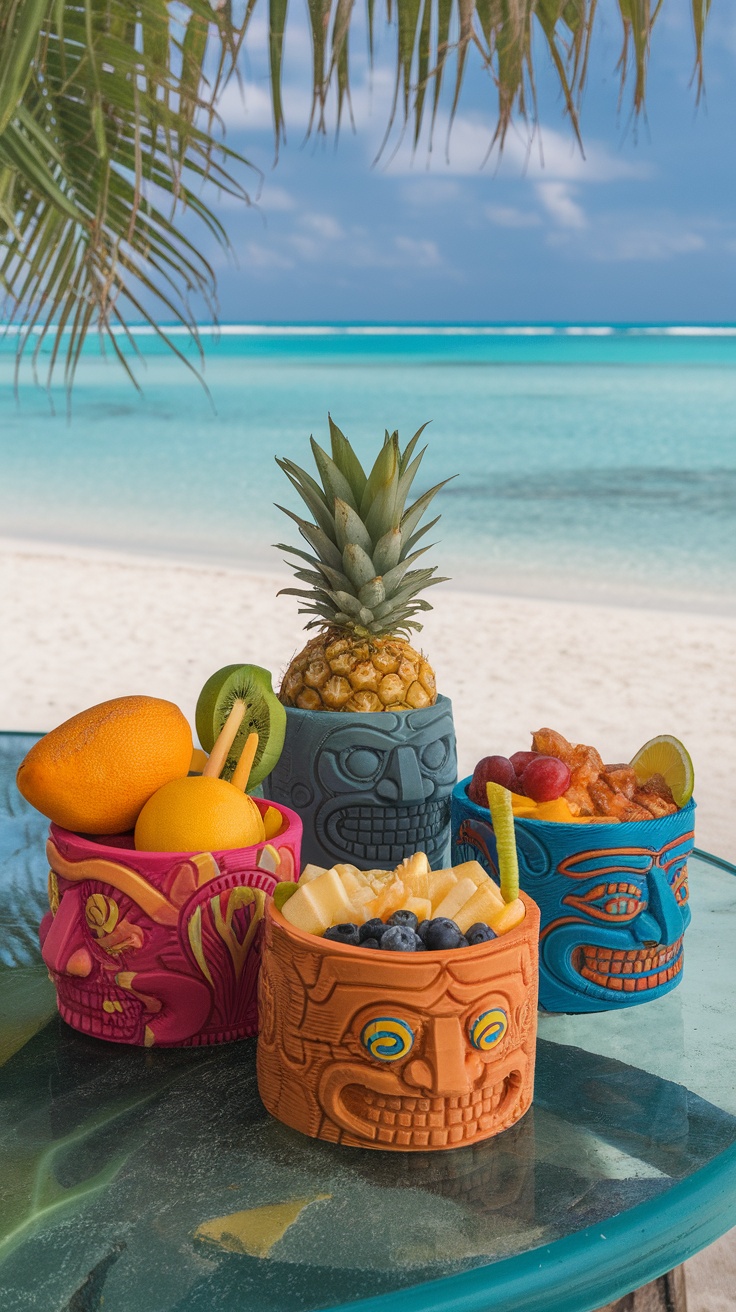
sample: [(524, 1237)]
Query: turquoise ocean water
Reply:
[(597, 463)]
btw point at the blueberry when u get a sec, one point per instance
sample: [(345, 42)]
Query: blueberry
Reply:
[(442, 934), (370, 943), (422, 931), (419, 946), (403, 918), (374, 928), (399, 938), (345, 933), (479, 933)]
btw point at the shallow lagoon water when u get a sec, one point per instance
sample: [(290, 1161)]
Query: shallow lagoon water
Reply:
[(592, 463)]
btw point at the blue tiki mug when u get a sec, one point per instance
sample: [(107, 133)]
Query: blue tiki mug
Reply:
[(370, 787), (613, 901)]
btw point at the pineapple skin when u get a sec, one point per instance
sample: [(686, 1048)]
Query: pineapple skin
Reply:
[(339, 671)]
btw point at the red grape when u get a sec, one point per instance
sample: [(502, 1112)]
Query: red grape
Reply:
[(491, 769), (546, 778), (520, 761)]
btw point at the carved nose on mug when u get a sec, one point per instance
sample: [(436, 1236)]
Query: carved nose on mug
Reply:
[(64, 950), (403, 780), (443, 1069)]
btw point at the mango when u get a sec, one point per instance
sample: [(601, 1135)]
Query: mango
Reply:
[(508, 917), (440, 883), (421, 906), (485, 903), (455, 899), (318, 904), (311, 872)]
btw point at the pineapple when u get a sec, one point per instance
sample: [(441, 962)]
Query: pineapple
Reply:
[(361, 588)]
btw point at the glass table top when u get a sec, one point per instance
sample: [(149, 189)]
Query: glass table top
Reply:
[(154, 1181)]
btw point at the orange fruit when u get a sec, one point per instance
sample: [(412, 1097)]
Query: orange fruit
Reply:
[(93, 773), (200, 814)]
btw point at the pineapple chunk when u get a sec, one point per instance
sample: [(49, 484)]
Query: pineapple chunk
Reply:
[(474, 870), (415, 872), (440, 883), (361, 902), (418, 864), (485, 903), (311, 872), (318, 904), (455, 899), (421, 906), (351, 880), (389, 899), (508, 917)]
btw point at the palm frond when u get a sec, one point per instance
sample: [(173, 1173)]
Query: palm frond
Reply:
[(107, 134)]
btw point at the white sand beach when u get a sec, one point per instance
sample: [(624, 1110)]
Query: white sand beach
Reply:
[(79, 626)]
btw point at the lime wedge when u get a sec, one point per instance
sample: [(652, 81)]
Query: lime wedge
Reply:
[(283, 892), (502, 815), (666, 755)]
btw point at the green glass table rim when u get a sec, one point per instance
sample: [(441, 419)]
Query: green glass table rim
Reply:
[(594, 1266)]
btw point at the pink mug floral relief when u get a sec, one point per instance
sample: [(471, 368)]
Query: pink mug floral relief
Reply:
[(161, 948)]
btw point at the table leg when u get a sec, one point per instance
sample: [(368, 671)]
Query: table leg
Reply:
[(664, 1295)]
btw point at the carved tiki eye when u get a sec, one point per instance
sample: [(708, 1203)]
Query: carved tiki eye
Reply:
[(435, 754), (387, 1039), (679, 886), (615, 902), (488, 1029), (362, 763), (101, 914)]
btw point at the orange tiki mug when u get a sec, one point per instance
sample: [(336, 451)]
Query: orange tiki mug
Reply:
[(400, 1051)]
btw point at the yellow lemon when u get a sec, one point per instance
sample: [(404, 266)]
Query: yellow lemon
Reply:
[(198, 814)]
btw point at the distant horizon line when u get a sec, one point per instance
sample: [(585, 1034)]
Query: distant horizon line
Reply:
[(409, 328)]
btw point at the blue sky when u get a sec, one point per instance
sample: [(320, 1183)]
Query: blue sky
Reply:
[(641, 229)]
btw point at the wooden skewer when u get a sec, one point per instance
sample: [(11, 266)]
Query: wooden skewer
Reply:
[(245, 764), (225, 740)]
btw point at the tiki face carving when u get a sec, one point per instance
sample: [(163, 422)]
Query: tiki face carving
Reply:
[(146, 948), (370, 787), (613, 901), (429, 1051)]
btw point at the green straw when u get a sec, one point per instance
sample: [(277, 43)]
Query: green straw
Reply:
[(502, 815)]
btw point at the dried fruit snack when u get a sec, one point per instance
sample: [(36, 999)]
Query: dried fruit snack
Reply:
[(569, 782)]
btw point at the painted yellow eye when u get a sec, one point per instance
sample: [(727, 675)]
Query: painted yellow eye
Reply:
[(387, 1039), (101, 914), (488, 1029)]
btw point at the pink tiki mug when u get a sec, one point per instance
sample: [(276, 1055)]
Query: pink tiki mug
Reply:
[(161, 948)]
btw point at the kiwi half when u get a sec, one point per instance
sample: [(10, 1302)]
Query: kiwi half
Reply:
[(264, 714)]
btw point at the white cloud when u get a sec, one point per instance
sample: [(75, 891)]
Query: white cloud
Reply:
[(631, 242), (275, 198), (420, 253), (506, 216), (548, 155), (429, 190), (559, 203), (257, 256), (323, 225)]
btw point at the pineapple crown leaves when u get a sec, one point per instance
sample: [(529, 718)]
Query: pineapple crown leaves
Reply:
[(363, 538)]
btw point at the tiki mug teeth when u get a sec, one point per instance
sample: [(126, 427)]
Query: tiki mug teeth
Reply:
[(397, 1051), (613, 900), (370, 788), (160, 948)]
